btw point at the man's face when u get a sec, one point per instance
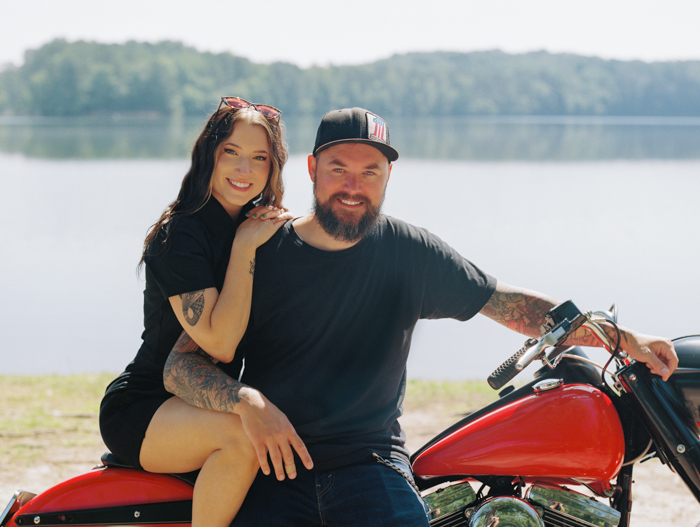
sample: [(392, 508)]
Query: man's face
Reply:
[(349, 183)]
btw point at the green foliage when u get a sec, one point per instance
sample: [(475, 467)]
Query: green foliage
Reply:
[(170, 79)]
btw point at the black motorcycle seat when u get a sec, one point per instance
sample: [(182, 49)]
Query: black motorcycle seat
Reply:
[(688, 350), (111, 461)]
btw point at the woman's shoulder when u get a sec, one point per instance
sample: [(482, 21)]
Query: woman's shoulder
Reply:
[(180, 233)]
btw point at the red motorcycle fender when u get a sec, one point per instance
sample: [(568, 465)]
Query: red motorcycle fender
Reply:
[(107, 487)]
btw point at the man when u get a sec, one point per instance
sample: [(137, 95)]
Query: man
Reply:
[(336, 296)]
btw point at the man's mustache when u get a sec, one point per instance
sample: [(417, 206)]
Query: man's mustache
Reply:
[(349, 197)]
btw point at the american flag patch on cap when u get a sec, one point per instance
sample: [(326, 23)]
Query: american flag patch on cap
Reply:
[(376, 128)]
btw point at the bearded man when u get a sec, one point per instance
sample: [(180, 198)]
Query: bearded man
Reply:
[(336, 296)]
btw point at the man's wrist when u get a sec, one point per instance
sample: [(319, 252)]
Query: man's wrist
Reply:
[(246, 395)]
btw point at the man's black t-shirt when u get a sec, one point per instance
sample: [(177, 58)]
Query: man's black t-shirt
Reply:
[(330, 331)]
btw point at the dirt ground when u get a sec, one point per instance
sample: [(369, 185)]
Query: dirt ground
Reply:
[(36, 457)]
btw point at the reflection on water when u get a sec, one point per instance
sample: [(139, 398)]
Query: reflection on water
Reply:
[(94, 138), (540, 139), (120, 138), (468, 138), (535, 202)]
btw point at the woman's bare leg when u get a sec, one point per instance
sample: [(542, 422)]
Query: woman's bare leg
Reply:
[(182, 438)]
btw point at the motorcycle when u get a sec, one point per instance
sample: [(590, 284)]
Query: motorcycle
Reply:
[(577, 424)]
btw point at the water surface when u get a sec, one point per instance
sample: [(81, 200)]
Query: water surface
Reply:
[(561, 211)]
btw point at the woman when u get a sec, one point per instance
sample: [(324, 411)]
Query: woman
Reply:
[(200, 259)]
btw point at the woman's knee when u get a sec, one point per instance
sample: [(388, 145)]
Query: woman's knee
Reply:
[(240, 448)]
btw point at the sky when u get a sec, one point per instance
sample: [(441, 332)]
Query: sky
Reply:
[(322, 32)]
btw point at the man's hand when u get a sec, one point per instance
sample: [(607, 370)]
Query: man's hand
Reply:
[(190, 374), (271, 433), (658, 353)]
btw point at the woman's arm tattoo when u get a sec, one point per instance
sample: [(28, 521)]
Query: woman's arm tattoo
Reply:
[(191, 375), (192, 306), (252, 267)]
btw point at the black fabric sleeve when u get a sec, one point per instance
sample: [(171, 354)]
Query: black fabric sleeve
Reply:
[(183, 263), (454, 286)]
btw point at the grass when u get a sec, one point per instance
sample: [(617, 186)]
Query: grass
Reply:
[(452, 396), (43, 412), (48, 411), (49, 402)]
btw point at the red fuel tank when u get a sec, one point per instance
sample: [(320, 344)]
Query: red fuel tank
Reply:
[(570, 432)]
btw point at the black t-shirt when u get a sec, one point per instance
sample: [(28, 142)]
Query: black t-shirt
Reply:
[(330, 331), (194, 257)]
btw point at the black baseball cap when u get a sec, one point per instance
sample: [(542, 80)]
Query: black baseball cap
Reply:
[(354, 125)]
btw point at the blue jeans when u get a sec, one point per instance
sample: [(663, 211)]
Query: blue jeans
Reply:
[(366, 494)]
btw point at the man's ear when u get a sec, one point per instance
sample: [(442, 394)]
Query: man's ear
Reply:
[(311, 161), (391, 165)]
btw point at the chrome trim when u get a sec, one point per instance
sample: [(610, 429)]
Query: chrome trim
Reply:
[(449, 499), (575, 505), (599, 333), (547, 384), (21, 496), (505, 511)]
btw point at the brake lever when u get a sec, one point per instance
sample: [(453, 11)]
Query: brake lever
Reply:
[(551, 338)]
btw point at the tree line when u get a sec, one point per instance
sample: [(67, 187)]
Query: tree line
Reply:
[(168, 78)]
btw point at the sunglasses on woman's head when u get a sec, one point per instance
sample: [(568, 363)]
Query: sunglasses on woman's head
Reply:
[(236, 103)]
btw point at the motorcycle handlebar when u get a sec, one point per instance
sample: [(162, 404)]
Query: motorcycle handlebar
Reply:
[(506, 371), (532, 349), (548, 339), (563, 319)]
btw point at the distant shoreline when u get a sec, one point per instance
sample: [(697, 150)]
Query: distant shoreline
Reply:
[(169, 78)]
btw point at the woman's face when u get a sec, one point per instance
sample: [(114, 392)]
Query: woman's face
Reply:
[(241, 167)]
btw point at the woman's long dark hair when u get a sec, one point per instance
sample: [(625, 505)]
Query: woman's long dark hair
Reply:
[(195, 190)]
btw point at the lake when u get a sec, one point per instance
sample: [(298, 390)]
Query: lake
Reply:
[(593, 209)]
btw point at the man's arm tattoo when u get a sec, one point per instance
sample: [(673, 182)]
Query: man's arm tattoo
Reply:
[(524, 313), (191, 375), (192, 306), (518, 311), (583, 337), (252, 267)]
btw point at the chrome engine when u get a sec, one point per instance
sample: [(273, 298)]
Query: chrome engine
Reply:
[(542, 506)]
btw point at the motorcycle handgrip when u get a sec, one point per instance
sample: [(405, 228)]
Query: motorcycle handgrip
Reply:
[(506, 371)]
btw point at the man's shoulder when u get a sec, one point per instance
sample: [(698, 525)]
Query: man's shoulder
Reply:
[(395, 227), (285, 239), (392, 225)]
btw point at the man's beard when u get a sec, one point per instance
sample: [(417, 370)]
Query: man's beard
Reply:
[(344, 230)]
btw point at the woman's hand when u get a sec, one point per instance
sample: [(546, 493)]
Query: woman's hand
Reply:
[(261, 224), (271, 433)]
